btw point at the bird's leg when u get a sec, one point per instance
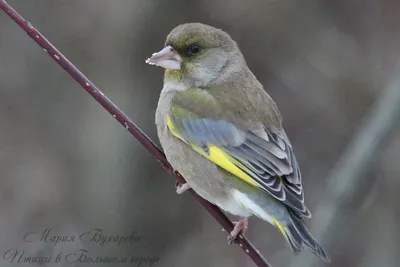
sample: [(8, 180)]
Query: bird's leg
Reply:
[(239, 228), (180, 188)]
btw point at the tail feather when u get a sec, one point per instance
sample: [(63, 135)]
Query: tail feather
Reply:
[(299, 237), (294, 239)]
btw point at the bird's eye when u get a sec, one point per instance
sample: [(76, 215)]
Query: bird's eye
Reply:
[(193, 49)]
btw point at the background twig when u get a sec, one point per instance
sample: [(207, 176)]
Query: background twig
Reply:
[(350, 171), (127, 123)]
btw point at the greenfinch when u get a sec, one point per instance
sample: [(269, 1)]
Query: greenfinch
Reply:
[(221, 130)]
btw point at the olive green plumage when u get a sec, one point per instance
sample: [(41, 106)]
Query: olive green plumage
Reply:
[(223, 132)]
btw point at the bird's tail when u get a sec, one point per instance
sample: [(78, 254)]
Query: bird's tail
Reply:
[(298, 236)]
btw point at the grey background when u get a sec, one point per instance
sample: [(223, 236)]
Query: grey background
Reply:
[(66, 164)]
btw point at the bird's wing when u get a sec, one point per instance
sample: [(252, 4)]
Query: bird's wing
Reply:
[(260, 157)]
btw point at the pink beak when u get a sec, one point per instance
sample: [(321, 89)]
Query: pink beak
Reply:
[(167, 58)]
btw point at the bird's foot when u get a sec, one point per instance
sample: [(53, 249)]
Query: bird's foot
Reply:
[(239, 228), (180, 188)]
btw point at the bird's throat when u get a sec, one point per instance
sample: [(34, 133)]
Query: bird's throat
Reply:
[(172, 75)]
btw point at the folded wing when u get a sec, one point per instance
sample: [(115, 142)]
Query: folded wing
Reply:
[(260, 157)]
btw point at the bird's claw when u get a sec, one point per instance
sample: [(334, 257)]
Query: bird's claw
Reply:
[(232, 239), (239, 228), (181, 188)]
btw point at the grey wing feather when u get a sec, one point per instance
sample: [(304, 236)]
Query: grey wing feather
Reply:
[(269, 161)]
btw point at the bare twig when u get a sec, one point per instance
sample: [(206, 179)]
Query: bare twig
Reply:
[(351, 168), (128, 124)]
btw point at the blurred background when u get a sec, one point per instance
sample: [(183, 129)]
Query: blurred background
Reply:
[(68, 166)]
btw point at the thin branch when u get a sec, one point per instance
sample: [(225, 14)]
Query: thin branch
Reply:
[(349, 172), (242, 241)]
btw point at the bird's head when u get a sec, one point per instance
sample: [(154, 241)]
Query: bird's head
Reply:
[(198, 55)]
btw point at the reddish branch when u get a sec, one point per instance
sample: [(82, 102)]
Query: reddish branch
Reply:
[(128, 124)]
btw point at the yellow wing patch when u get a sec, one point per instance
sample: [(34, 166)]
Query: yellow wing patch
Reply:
[(217, 156)]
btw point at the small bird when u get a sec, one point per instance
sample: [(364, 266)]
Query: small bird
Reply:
[(221, 130)]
